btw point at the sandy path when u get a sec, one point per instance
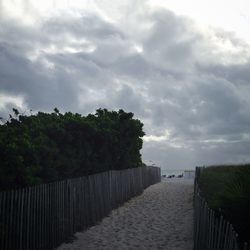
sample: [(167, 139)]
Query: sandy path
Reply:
[(160, 218)]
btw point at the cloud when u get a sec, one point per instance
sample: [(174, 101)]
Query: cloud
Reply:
[(189, 86)]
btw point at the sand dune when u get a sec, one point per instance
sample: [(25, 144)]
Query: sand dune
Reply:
[(160, 218)]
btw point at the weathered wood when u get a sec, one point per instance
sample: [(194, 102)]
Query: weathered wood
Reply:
[(41, 217), (5, 222), (223, 230), (2, 202), (211, 232), (226, 237), (245, 246)]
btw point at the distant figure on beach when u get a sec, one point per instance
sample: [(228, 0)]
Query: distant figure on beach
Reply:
[(171, 176)]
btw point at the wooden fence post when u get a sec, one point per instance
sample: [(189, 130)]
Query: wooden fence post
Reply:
[(210, 231), (43, 216)]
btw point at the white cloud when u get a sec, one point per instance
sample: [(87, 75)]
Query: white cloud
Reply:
[(157, 138), (188, 84), (226, 14), (6, 100)]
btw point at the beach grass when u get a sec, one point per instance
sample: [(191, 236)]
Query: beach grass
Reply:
[(227, 191)]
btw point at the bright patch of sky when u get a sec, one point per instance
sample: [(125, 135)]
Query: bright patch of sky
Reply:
[(230, 15)]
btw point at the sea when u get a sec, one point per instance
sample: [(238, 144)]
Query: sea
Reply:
[(173, 171)]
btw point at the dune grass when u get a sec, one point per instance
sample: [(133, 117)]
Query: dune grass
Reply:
[(227, 190)]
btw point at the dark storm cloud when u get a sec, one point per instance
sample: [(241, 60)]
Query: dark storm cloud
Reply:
[(46, 87), (171, 41), (128, 99), (134, 66), (40, 87), (91, 26), (238, 74), (173, 76)]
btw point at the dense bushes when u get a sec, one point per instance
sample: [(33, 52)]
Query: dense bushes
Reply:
[(47, 147), (227, 190)]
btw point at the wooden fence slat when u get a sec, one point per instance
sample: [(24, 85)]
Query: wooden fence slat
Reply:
[(63, 210), (1, 220), (31, 219), (226, 236), (43, 216), (40, 217), (46, 217), (223, 230), (71, 207), (245, 246), (28, 219), (210, 231), (231, 238), (60, 213), (6, 223), (21, 219), (215, 234), (10, 232), (83, 192), (51, 215)]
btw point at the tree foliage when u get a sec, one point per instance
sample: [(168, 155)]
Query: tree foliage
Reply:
[(47, 147)]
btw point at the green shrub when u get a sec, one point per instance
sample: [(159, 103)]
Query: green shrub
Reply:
[(227, 190), (47, 147)]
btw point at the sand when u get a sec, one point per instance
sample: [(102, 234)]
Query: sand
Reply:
[(160, 218)]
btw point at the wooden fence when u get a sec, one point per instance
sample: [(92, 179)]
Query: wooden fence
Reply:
[(211, 231), (44, 216)]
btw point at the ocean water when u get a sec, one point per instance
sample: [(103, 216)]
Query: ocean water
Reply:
[(173, 171)]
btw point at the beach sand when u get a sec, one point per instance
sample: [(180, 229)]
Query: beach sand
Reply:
[(160, 218)]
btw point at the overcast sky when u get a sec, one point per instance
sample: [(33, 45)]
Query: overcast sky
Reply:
[(182, 67)]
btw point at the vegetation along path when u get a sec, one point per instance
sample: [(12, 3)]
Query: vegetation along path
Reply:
[(160, 218)]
